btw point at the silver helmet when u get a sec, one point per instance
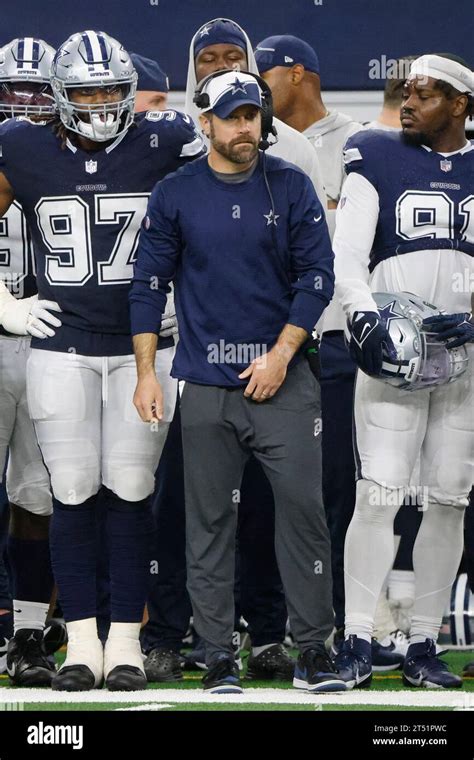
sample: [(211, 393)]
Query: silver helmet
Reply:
[(25, 88), (423, 360), (93, 64)]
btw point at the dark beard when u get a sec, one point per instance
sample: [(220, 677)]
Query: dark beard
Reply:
[(417, 138), (231, 154)]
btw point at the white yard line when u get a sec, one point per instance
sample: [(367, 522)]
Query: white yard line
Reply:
[(422, 698)]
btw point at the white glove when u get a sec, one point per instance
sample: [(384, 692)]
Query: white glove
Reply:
[(29, 316), (169, 323)]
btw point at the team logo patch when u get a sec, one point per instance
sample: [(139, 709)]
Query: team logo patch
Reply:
[(271, 217), (91, 167), (445, 165)]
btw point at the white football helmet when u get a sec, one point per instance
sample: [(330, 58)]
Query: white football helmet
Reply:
[(25, 89), (94, 64), (423, 361)]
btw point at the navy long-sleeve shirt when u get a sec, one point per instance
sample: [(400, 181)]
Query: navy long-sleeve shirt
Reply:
[(240, 272)]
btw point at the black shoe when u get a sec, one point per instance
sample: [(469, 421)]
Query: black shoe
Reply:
[(55, 635), (468, 670), (27, 664), (222, 677), (163, 665), (315, 672), (273, 664), (73, 678), (126, 678), (6, 633)]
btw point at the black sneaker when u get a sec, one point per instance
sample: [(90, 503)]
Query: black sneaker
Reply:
[(6, 632), (273, 664), (163, 665), (222, 678), (55, 635), (315, 672), (27, 663), (468, 670)]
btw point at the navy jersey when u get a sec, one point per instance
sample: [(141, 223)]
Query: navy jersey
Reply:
[(84, 210), (426, 200)]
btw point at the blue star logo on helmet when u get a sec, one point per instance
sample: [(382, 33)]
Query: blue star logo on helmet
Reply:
[(387, 314)]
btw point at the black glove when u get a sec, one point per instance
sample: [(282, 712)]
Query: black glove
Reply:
[(369, 338), (457, 326)]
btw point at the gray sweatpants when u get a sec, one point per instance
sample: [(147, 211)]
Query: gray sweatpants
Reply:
[(220, 430)]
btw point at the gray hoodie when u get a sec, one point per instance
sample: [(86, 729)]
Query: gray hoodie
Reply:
[(291, 146), (328, 136)]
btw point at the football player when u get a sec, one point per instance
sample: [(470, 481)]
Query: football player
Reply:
[(405, 222), (24, 91), (83, 182)]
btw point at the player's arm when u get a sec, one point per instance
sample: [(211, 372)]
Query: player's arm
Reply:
[(158, 252), (7, 195), (311, 261), (356, 222)]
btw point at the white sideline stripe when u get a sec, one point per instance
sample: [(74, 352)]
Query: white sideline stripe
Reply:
[(153, 706), (421, 698)]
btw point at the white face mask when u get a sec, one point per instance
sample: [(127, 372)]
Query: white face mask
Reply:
[(99, 129)]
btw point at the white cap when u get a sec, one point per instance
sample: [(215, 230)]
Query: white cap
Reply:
[(437, 67), (230, 90)]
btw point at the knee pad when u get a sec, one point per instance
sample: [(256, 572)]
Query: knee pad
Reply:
[(71, 487), (376, 503), (132, 484)]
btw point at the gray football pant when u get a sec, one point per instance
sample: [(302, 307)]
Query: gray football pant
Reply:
[(220, 429)]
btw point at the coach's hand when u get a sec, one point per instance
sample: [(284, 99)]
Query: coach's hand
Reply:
[(266, 374), (456, 329), (369, 338), (148, 398)]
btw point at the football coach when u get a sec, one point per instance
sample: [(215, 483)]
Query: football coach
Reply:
[(244, 239)]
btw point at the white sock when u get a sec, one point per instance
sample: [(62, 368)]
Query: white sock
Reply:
[(123, 647), (368, 554), (436, 557), (29, 615), (258, 650)]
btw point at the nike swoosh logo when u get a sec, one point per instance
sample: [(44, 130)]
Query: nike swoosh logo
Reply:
[(318, 219), (11, 669), (365, 331)]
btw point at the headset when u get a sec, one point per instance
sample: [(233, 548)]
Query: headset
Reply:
[(201, 100)]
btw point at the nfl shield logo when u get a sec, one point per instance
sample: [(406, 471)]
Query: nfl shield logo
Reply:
[(445, 165), (91, 167)]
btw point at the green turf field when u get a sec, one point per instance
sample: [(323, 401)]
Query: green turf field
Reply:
[(386, 693)]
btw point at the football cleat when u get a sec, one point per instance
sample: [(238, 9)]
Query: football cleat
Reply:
[(162, 665), (6, 633), (83, 667), (55, 635), (315, 672), (424, 668), (354, 662), (273, 664), (27, 663), (222, 677), (123, 664), (389, 654)]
